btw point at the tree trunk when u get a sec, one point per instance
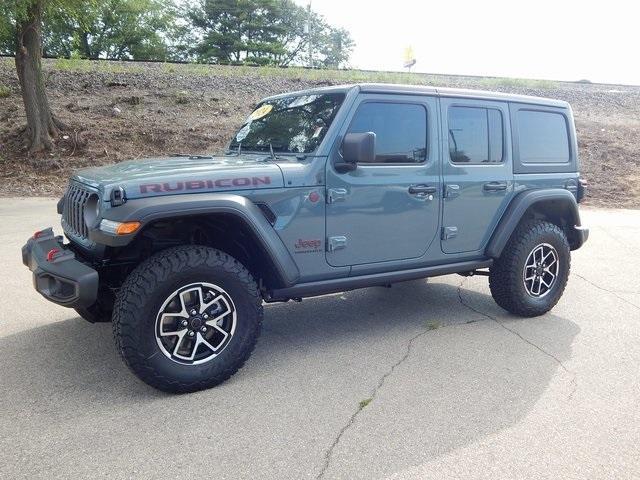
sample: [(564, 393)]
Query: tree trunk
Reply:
[(42, 126), (84, 45)]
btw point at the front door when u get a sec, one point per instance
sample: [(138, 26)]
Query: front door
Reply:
[(387, 210), (477, 171)]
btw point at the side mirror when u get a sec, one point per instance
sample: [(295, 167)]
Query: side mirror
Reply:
[(357, 148)]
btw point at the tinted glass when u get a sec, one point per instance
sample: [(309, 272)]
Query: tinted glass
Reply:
[(542, 137), (400, 128), (294, 124), (475, 135)]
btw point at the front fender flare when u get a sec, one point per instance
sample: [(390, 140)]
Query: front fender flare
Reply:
[(519, 206), (148, 210)]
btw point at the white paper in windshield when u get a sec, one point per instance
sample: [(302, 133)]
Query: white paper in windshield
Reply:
[(302, 100), (243, 132)]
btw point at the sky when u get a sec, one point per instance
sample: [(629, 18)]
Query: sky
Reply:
[(541, 39)]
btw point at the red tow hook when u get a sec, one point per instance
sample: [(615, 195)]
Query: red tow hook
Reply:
[(38, 234), (52, 254)]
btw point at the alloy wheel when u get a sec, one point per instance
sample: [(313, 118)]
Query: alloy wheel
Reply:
[(541, 270), (195, 323)]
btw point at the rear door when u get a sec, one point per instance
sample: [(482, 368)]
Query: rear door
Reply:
[(387, 210), (477, 171)]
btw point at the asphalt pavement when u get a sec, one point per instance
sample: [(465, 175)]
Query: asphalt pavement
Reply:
[(428, 379)]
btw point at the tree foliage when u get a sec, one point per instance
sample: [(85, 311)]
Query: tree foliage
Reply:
[(115, 29), (275, 32)]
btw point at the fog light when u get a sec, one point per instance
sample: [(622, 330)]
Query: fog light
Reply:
[(119, 228)]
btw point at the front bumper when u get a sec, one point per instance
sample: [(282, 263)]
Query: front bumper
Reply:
[(57, 275)]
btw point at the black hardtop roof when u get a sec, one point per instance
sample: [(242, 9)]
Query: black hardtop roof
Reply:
[(428, 90)]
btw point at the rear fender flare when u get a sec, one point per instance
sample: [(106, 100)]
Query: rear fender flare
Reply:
[(519, 206)]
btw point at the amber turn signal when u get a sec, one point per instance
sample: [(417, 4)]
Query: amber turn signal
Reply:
[(127, 228), (118, 228)]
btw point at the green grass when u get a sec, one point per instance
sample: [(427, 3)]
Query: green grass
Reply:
[(340, 76), (433, 325), (4, 91), (363, 403), (104, 66), (311, 75)]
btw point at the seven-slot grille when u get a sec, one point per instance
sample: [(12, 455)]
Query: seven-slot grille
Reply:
[(73, 210)]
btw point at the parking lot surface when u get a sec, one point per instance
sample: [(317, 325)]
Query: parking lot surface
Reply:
[(428, 379)]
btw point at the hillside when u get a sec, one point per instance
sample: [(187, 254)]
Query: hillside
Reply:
[(118, 111)]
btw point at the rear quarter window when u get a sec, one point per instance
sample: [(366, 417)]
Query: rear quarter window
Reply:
[(543, 137)]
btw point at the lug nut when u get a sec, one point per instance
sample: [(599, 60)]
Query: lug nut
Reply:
[(191, 333), (203, 329), (184, 323), (205, 316), (193, 312)]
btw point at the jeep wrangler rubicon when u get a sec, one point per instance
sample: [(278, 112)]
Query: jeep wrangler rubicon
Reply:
[(320, 191)]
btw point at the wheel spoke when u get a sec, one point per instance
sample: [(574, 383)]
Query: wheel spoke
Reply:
[(203, 341), (179, 343), (183, 300), (539, 253), (214, 321), (165, 333), (537, 292), (204, 306)]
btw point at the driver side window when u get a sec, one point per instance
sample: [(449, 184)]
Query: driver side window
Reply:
[(400, 128)]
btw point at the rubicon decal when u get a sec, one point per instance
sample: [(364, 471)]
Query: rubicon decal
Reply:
[(307, 246), (204, 184)]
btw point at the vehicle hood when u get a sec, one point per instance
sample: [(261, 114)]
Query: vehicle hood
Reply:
[(176, 175)]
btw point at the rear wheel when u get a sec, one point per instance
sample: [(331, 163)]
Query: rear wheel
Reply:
[(531, 274), (187, 318)]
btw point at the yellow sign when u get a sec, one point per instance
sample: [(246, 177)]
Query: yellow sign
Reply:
[(408, 54), (260, 112), (409, 57)]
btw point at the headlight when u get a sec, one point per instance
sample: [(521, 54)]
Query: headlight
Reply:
[(92, 210)]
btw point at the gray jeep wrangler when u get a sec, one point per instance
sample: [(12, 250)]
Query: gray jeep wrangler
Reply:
[(320, 191)]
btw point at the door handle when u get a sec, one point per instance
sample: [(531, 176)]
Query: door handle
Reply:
[(494, 186), (422, 190)]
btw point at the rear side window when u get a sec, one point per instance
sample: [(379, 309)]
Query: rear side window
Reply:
[(475, 135), (542, 137), (400, 128)]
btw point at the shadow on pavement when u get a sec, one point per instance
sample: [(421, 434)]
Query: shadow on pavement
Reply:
[(458, 391)]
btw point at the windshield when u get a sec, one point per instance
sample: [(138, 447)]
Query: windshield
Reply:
[(295, 124)]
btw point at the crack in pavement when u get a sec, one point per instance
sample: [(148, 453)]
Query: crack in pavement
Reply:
[(612, 292), (571, 374), (328, 454)]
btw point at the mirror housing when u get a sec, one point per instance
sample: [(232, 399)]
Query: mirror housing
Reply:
[(357, 147)]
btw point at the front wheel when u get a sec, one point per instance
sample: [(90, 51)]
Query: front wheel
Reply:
[(531, 274), (187, 318)]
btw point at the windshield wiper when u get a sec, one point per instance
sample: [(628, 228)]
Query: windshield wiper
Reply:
[(236, 152), (273, 155), (190, 155)]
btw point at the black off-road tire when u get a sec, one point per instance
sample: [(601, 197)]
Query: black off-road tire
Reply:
[(142, 295), (506, 275)]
